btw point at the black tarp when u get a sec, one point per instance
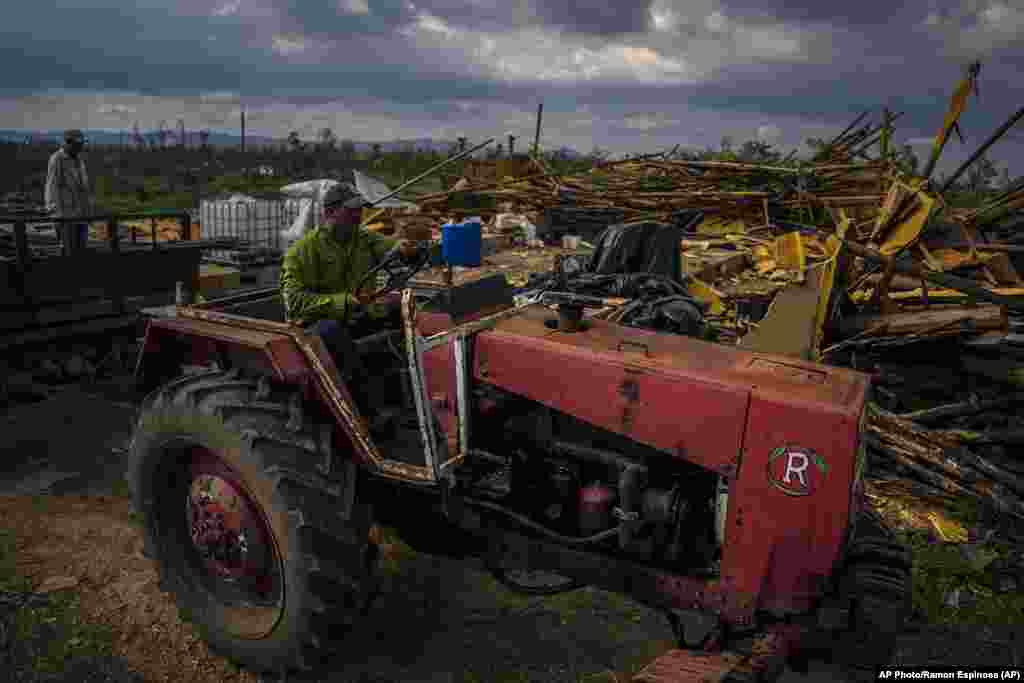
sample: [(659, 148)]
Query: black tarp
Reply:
[(642, 262), (646, 247)]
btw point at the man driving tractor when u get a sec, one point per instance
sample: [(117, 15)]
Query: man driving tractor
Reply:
[(322, 281)]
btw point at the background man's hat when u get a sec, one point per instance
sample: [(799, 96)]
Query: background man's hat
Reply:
[(73, 134)]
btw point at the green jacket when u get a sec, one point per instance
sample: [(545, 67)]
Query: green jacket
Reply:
[(320, 275)]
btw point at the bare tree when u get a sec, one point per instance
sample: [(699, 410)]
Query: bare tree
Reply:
[(327, 139), (162, 134), (757, 151), (348, 150), (981, 175), (906, 159), (137, 138)]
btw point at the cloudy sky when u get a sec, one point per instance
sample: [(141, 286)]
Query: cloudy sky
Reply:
[(626, 75)]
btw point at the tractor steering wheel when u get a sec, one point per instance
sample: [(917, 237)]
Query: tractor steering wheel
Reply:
[(397, 270)]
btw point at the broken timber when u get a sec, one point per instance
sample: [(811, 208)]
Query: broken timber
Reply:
[(930, 321)]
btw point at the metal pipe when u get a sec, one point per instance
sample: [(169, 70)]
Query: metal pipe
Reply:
[(598, 455), (721, 508), (530, 524), (850, 127), (981, 150), (430, 170)]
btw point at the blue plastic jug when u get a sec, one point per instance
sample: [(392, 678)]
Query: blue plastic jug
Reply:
[(462, 243)]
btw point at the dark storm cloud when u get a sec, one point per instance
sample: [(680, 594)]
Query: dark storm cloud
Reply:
[(324, 18), (103, 46), (837, 12), (832, 61), (596, 17), (152, 51)]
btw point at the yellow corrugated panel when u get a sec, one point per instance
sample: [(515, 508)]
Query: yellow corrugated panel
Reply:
[(907, 232), (789, 251), (827, 281), (707, 294)]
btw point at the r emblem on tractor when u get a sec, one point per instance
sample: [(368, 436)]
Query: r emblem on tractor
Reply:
[(795, 470)]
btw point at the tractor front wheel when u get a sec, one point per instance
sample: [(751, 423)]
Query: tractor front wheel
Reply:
[(249, 537)]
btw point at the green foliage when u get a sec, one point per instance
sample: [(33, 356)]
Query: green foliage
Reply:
[(966, 200), (940, 568), (470, 201), (56, 633), (981, 175), (9, 579), (907, 160)]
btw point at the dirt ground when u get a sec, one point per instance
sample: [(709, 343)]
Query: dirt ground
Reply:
[(455, 625), (90, 546)]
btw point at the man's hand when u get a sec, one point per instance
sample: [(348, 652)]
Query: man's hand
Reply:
[(408, 249), (365, 296)]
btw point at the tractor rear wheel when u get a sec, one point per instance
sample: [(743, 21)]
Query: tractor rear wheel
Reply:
[(248, 535)]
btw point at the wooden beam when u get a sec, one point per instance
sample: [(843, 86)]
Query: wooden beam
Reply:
[(987, 317)]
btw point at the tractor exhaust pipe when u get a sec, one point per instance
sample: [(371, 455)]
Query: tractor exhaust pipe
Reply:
[(721, 509)]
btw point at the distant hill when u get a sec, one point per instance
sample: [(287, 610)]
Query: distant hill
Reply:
[(221, 139), (105, 137)]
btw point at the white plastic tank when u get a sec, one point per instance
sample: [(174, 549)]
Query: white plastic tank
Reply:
[(255, 224)]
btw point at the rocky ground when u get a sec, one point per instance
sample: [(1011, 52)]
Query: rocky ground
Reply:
[(78, 602)]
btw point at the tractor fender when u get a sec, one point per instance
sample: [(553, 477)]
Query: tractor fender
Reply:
[(283, 352)]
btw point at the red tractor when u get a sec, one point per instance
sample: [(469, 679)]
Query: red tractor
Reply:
[(719, 485)]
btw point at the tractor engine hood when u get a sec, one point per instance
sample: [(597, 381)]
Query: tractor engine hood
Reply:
[(686, 397), (783, 433)]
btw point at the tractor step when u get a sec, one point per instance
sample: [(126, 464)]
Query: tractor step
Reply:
[(759, 659)]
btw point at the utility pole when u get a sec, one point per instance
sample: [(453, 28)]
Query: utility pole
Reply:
[(511, 145), (886, 134), (884, 147), (245, 166), (536, 137)]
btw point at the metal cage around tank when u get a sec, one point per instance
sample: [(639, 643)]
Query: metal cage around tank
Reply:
[(254, 223)]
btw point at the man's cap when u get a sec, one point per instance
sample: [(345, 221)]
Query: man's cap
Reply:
[(344, 195), (73, 134)]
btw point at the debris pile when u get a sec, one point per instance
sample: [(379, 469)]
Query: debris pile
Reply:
[(659, 189), (849, 259)]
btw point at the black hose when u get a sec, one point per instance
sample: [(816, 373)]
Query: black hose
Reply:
[(529, 523)]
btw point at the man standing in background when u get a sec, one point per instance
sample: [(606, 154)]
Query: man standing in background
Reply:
[(67, 191)]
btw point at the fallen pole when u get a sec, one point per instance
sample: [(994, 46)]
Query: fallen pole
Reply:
[(849, 128), (961, 409), (989, 246), (993, 139), (432, 169)]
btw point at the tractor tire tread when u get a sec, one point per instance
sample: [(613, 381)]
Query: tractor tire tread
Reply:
[(334, 554)]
